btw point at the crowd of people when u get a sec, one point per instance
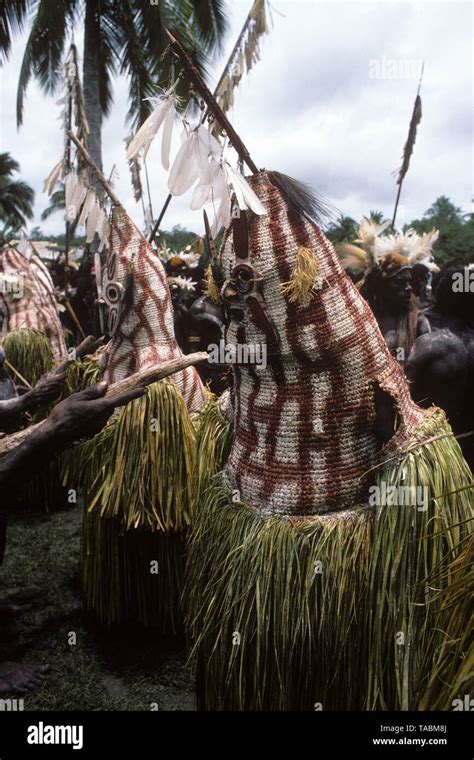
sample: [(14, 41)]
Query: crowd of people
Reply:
[(283, 465)]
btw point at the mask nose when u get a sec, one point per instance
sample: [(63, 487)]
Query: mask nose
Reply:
[(232, 303)]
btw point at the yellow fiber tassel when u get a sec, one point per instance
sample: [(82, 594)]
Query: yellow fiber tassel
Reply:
[(301, 285), (211, 287)]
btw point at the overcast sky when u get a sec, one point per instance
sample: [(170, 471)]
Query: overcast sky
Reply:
[(322, 105)]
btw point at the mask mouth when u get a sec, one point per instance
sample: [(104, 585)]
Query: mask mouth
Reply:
[(236, 313)]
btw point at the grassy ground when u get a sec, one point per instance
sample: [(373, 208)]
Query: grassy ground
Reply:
[(106, 669)]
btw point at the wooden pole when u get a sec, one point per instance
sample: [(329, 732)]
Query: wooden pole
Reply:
[(92, 165), (138, 380), (396, 204), (213, 106)]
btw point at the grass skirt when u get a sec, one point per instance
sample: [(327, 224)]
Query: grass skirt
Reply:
[(137, 482), (359, 610)]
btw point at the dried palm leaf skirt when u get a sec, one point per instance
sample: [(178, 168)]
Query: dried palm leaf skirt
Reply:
[(357, 610), (138, 503)]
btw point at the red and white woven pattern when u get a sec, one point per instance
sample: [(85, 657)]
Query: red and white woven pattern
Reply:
[(37, 308), (145, 333), (304, 434)]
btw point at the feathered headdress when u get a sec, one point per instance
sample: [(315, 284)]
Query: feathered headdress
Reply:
[(386, 253)]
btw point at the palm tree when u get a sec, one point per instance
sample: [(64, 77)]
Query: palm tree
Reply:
[(342, 231), (57, 202), (376, 216), (120, 36), (16, 197)]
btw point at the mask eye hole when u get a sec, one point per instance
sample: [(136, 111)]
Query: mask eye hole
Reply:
[(243, 278), (113, 292)]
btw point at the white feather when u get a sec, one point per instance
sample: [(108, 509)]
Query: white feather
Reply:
[(90, 197), (200, 196), (101, 227), (166, 139), (70, 183), (246, 197), (184, 171), (214, 147), (92, 221), (50, 182), (150, 126), (80, 192), (223, 216), (202, 191), (106, 233)]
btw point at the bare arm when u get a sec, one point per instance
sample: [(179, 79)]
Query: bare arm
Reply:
[(83, 414), (46, 390)]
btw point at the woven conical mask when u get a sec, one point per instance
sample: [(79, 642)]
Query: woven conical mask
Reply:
[(139, 310), (36, 307), (304, 433)]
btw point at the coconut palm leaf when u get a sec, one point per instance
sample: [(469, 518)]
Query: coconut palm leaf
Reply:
[(57, 203), (16, 197), (125, 37), (12, 16)]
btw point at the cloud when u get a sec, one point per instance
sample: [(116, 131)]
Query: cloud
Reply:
[(309, 108)]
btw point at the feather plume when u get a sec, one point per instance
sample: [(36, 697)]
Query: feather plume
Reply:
[(102, 229), (134, 166), (408, 149), (92, 220), (353, 257), (53, 176), (211, 288), (246, 198), (185, 283), (78, 196), (70, 182), (369, 231), (88, 202), (184, 171), (223, 216), (166, 138), (152, 124), (303, 197), (422, 250)]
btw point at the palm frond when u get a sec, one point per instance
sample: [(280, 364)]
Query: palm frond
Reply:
[(8, 165), (212, 22), (12, 17), (57, 203), (45, 47)]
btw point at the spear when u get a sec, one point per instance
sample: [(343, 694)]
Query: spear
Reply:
[(408, 149)]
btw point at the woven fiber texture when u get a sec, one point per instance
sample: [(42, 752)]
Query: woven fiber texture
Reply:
[(145, 335), (304, 430), (36, 309)]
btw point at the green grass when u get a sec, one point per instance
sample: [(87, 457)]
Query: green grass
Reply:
[(108, 668)]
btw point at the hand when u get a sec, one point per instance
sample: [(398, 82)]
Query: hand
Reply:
[(84, 414), (46, 389)]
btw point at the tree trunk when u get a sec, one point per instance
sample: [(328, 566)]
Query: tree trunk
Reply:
[(91, 81)]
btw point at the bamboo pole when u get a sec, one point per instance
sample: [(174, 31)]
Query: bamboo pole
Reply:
[(138, 380)]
